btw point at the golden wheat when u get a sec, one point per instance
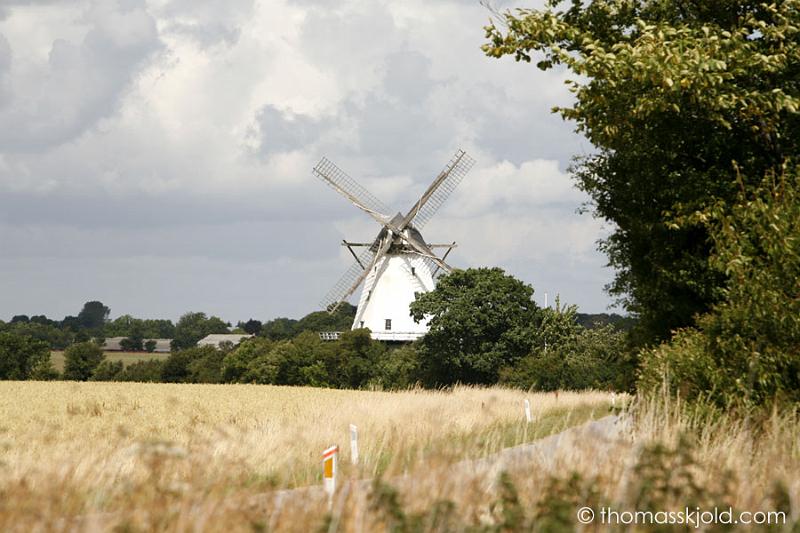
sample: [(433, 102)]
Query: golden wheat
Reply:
[(78, 449)]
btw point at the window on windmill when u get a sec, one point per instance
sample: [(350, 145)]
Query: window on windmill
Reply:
[(369, 293), (413, 271), (362, 323), (388, 324)]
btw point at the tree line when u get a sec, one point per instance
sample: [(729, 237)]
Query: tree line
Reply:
[(485, 329)]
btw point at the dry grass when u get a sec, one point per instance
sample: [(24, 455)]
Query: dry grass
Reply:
[(78, 449), (127, 358), (141, 457)]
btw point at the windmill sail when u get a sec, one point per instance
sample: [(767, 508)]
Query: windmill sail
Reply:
[(451, 175), (341, 291), (337, 179)]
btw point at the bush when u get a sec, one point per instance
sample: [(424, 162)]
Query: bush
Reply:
[(745, 351), (587, 359), (142, 371), (399, 369), (81, 359), (195, 365), (150, 346), (107, 371), (20, 355)]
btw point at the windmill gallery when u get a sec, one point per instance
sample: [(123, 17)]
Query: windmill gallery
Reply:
[(398, 263)]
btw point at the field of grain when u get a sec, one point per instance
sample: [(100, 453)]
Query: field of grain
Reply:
[(77, 449), (162, 457), (127, 358)]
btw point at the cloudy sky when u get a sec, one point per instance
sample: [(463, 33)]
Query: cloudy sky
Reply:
[(156, 154)]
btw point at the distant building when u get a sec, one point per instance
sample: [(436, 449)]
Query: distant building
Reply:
[(216, 339), (114, 344)]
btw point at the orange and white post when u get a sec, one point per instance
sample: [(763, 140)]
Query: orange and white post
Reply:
[(329, 458)]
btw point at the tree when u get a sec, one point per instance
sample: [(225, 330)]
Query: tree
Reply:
[(93, 316), (279, 329), (745, 351), (673, 94), (150, 345), (80, 360), (481, 320), (252, 326), (339, 320), (194, 326), (22, 357)]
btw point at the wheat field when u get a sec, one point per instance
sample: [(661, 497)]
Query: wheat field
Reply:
[(158, 457), (70, 450)]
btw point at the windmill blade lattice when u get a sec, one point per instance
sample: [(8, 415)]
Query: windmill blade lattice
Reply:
[(335, 177), (340, 291), (456, 168)]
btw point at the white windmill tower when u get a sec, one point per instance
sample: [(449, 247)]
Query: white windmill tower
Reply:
[(398, 264)]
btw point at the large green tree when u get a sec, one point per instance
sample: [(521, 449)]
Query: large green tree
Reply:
[(674, 94), (23, 357), (481, 320), (93, 316)]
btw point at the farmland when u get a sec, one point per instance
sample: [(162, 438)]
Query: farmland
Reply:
[(75, 448), (100, 456), (127, 358)]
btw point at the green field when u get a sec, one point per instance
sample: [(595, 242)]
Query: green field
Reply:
[(127, 358)]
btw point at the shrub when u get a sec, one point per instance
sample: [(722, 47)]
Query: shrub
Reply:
[(107, 371), (150, 346), (142, 371), (81, 359), (745, 351), (20, 355)]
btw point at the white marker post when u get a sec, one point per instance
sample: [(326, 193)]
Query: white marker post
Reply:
[(613, 399), (528, 411), (329, 458), (353, 444)]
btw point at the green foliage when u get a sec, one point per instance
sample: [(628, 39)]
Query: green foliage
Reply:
[(340, 320), (132, 344), (194, 326), (107, 371), (480, 321), (278, 329), (745, 351), (80, 360), (150, 346), (55, 337), (399, 369), (195, 365), (671, 93), (128, 326), (142, 371), (575, 358), (93, 316)]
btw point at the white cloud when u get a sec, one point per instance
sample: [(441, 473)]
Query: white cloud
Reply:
[(173, 125)]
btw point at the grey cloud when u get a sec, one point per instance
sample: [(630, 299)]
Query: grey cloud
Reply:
[(5, 67), (84, 82), (279, 131), (207, 22)]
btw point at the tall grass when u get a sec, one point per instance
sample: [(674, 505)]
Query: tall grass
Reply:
[(141, 452), (245, 458)]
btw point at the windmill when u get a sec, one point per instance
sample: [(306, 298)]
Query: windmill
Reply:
[(398, 263)]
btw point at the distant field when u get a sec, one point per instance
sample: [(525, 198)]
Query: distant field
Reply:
[(127, 358)]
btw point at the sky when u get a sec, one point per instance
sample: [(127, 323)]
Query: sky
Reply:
[(156, 155)]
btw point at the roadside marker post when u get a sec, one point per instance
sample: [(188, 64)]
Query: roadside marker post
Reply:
[(353, 444), (528, 411), (329, 458)]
